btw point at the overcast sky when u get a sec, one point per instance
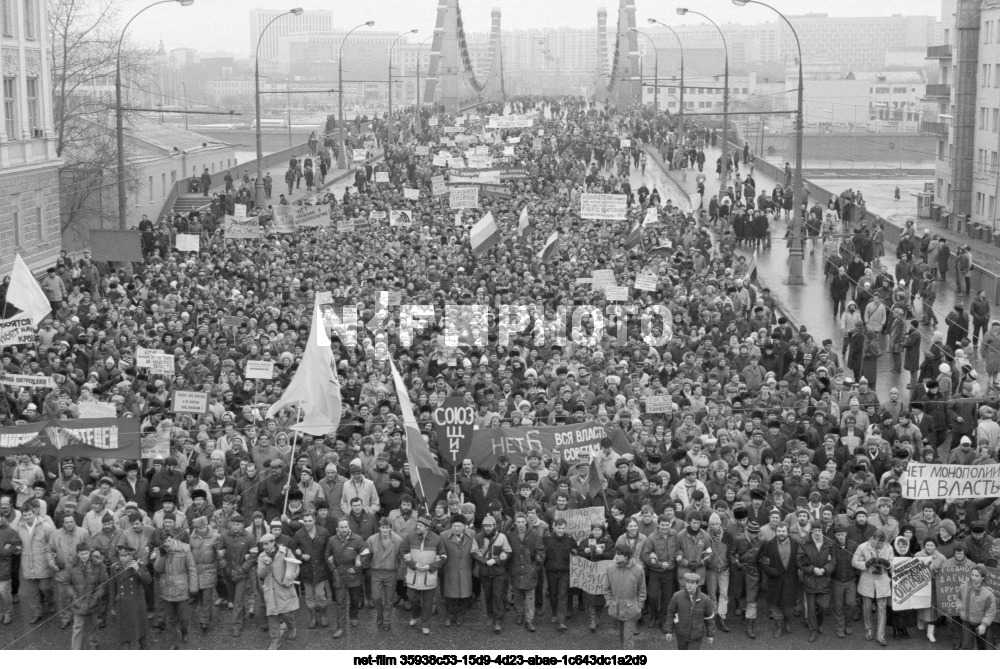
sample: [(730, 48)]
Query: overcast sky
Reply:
[(224, 25)]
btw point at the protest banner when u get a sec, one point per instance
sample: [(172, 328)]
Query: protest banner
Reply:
[(601, 206), (432, 121), (27, 381), (157, 362), (453, 423), (508, 150), (503, 192), (242, 228), (646, 281), (239, 211), (479, 162), (422, 150), (156, 445), (112, 438), (475, 175), (400, 218), (231, 322), (438, 186), (411, 193), (381, 177), (949, 580), (186, 401), (651, 217), (346, 226), (260, 369), (452, 129), (440, 161), (463, 197), (616, 293), (188, 243), (993, 580), (603, 278), (626, 143), (378, 215), (658, 403), (933, 481), (282, 219), (588, 576), (512, 173), (578, 521), (97, 410), (510, 121), (311, 216), (16, 331), (911, 583), (359, 155), (570, 443), (536, 144)]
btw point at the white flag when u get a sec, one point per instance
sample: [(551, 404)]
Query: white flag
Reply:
[(25, 293)]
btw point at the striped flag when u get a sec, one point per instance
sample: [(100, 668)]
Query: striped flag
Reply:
[(634, 237), (522, 222), (550, 249), (426, 476), (484, 235)]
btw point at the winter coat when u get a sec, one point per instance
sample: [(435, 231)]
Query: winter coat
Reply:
[(493, 548), (424, 551), (810, 557), (695, 616), (527, 555), (237, 561), (991, 350), (87, 585), (659, 552), (315, 569), (125, 598), (625, 591), (277, 582), (457, 572), (874, 581), (37, 557), (694, 549), (178, 578), (341, 556), (206, 558), (9, 544), (782, 581)]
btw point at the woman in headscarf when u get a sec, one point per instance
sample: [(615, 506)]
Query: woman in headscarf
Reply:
[(903, 547)]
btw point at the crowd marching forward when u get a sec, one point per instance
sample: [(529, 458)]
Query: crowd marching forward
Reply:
[(765, 499)]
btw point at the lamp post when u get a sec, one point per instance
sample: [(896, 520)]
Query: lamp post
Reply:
[(341, 157), (656, 70), (388, 125), (420, 103), (795, 226), (725, 103), (679, 44), (258, 191), (119, 115)]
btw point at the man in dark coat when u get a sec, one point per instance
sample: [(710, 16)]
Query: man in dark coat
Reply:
[(694, 613), (485, 491), (815, 563), (779, 560), (308, 544), (958, 325)]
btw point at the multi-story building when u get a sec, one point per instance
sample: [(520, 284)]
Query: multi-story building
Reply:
[(701, 94), (311, 20), (29, 182), (985, 188)]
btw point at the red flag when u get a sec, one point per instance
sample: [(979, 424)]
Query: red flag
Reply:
[(426, 476)]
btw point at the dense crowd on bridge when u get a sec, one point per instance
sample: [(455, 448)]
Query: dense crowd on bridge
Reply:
[(764, 500)]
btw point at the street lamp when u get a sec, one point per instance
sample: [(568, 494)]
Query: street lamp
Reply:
[(341, 158), (258, 190), (656, 70), (679, 44), (388, 127), (795, 227), (420, 102), (725, 103), (119, 116)]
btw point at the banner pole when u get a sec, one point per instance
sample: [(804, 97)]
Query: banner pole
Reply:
[(291, 460)]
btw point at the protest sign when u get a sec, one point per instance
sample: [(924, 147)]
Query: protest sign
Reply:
[(156, 445), (423, 150), (651, 217), (578, 521), (646, 281), (381, 177), (282, 219), (411, 193), (186, 401), (463, 197), (509, 121), (626, 143), (536, 144), (616, 293), (438, 186), (993, 580), (378, 215), (97, 410), (588, 576), (260, 369), (231, 322), (453, 423), (16, 331), (933, 481), (242, 228), (440, 161), (600, 206), (432, 121), (475, 175), (346, 226), (452, 129), (603, 278), (508, 150), (27, 381), (658, 403), (311, 216), (496, 190), (239, 211), (188, 243), (157, 362), (359, 155), (113, 438), (400, 218), (911, 583), (949, 580), (571, 443)]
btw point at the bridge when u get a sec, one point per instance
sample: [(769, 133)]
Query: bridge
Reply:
[(453, 82)]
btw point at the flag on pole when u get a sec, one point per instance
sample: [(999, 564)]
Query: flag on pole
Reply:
[(634, 237), (315, 388), (25, 293), (426, 476), (522, 222), (550, 249), (484, 235)]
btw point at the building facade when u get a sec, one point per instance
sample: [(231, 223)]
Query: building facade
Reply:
[(311, 20), (29, 183)]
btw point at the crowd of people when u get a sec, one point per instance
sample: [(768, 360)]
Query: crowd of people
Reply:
[(764, 499)]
